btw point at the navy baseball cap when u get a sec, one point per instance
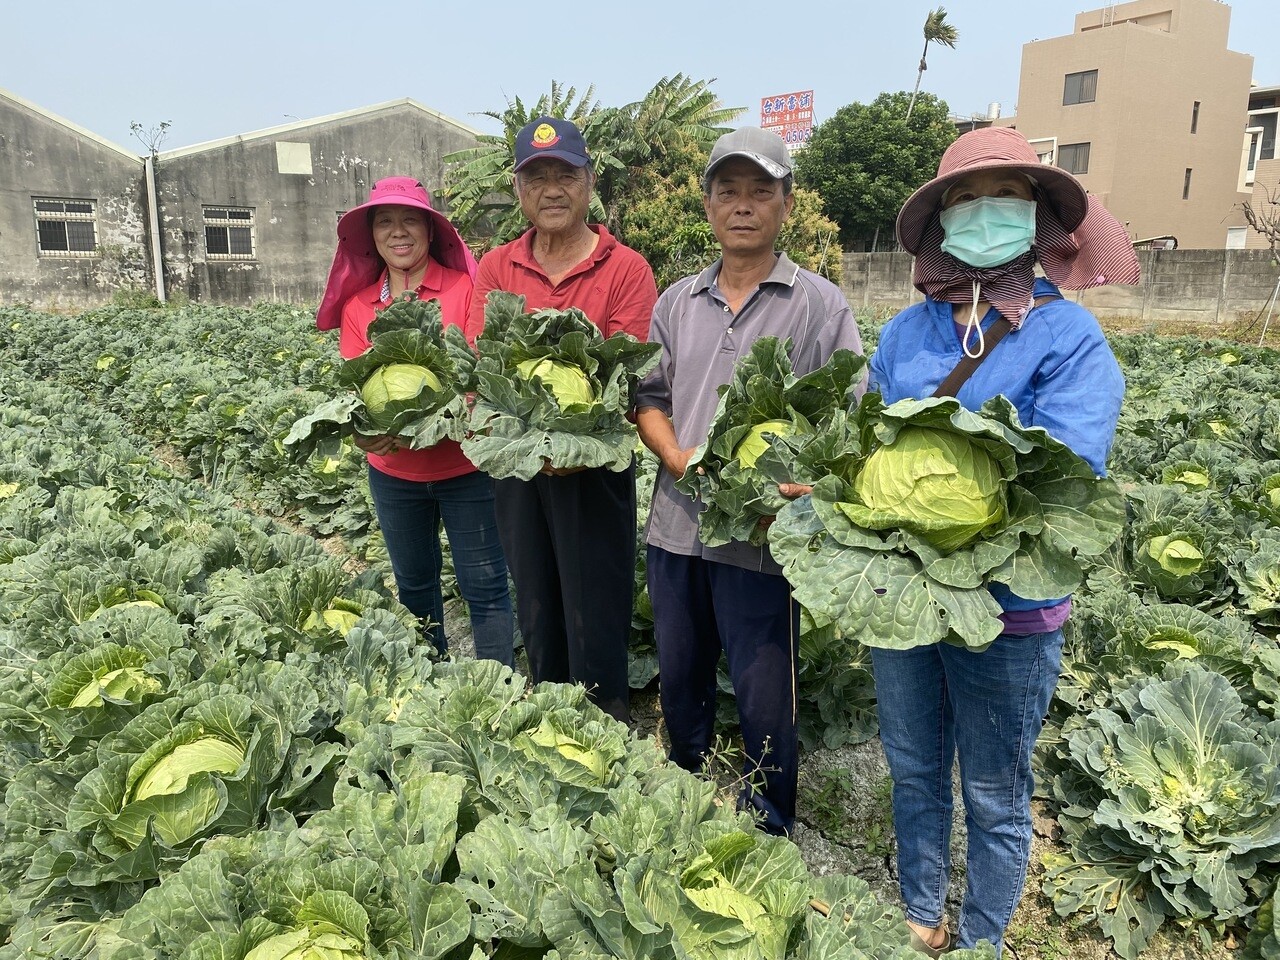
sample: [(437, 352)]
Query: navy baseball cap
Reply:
[(551, 137)]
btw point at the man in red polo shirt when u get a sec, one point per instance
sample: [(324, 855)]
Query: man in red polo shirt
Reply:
[(569, 535)]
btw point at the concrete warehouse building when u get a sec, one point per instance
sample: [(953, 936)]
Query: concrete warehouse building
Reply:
[(250, 217), (72, 211)]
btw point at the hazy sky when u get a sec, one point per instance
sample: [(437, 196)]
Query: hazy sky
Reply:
[(218, 69)]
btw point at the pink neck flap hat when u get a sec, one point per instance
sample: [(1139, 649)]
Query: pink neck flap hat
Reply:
[(356, 263), (1078, 243)]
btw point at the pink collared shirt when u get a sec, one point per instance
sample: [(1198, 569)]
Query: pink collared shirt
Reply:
[(453, 289)]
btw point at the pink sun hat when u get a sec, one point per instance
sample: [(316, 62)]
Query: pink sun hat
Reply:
[(1079, 243), (356, 263), (991, 148)]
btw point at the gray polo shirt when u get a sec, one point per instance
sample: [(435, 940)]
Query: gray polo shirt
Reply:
[(701, 341)]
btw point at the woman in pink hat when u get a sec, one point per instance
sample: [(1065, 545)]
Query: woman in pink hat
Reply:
[(978, 231), (393, 244)]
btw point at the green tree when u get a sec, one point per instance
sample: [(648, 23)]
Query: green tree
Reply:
[(865, 160), (936, 30), (624, 141), (664, 220)]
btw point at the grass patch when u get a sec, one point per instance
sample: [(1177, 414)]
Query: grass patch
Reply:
[(1246, 328), (833, 795)]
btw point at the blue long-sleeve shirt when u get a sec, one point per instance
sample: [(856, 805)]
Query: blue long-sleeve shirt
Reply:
[(1057, 369)]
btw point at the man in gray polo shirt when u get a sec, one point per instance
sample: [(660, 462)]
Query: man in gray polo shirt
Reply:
[(731, 598)]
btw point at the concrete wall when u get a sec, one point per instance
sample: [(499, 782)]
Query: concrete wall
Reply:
[(1208, 286), (41, 156), (295, 213)]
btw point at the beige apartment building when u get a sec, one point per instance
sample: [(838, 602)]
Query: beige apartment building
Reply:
[(1145, 103), (1261, 164)]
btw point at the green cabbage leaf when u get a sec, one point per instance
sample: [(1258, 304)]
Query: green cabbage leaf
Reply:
[(406, 385), (769, 427), (550, 390), (905, 551)]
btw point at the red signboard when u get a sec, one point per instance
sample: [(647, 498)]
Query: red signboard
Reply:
[(789, 115)]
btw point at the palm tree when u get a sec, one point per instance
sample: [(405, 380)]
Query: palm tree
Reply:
[(936, 30), (676, 110)]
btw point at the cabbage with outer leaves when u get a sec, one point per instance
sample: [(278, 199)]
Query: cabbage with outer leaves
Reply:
[(1168, 798), (769, 427), (551, 390), (1178, 543), (287, 610), (1255, 570), (892, 571), (406, 385), (204, 761)]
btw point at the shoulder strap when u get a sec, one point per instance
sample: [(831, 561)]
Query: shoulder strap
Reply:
[(967, 365)]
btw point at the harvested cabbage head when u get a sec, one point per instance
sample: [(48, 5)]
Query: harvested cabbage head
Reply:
[(566, 381), (395, 381), (934, 483), (751, 446)]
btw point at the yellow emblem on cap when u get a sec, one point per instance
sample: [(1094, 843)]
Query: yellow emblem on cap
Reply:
[(545, 135)]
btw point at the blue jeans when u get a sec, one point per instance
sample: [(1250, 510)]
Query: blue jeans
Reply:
[(410, 513), (939, 701)]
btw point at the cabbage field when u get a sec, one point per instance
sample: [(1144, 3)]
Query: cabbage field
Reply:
[(219, 736)]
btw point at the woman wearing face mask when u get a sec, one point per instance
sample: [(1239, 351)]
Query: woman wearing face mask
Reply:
[(977, 231), (396, 244)]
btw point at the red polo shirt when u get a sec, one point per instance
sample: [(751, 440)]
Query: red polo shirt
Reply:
[(453, 289), (613, 286)]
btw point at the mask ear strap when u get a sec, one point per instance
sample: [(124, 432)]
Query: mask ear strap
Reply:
[(974, 322)]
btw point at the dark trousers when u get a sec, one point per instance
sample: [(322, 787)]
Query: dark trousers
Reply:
[(410, 513), (571, 544), (701, 607)]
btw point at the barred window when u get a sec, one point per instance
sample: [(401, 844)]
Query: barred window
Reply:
[(228, 233), (1074, 157), (1080, 88), (66, 228)]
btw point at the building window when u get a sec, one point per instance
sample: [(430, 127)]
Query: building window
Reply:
[(66, 228), (1195, 116), (1266, 122), (1074, 157), (1080, 88), (228, 233), (1186, 185)]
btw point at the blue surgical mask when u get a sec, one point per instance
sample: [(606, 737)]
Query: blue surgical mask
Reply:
[(989, 231)]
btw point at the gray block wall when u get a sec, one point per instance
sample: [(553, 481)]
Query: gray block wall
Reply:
[(1202, 286)]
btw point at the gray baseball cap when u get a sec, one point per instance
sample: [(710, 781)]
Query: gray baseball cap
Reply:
[(761, 147)]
